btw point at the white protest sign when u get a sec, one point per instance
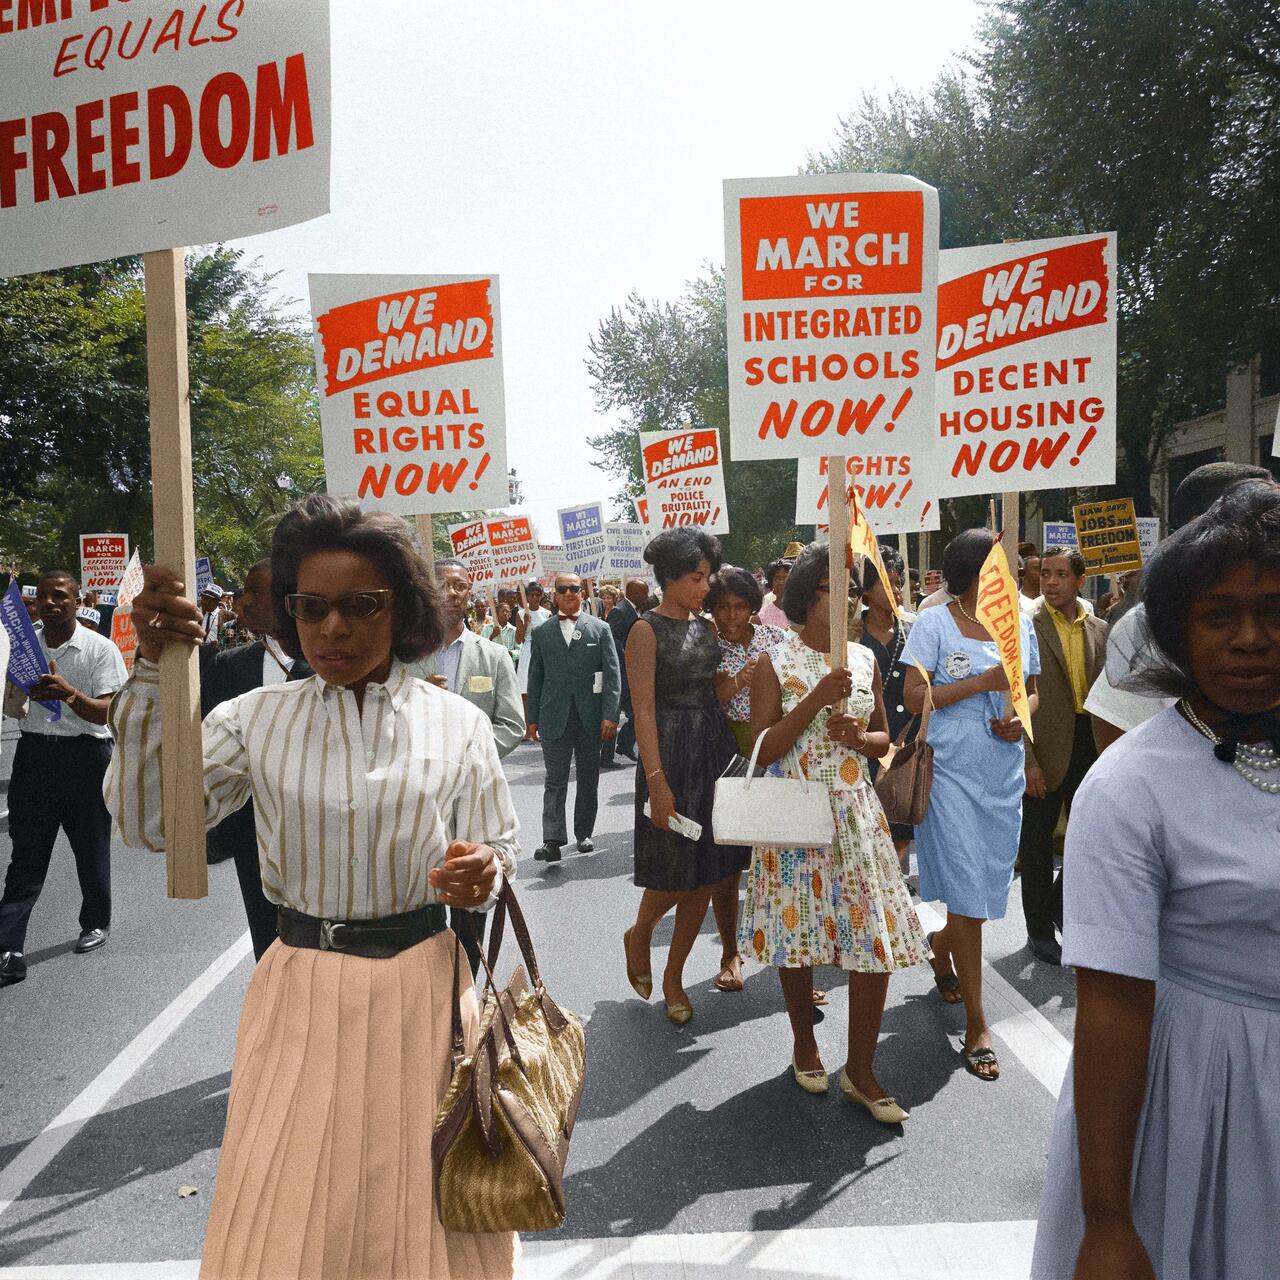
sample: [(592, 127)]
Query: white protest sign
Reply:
[(582, 534), (642, 510), (513, 549), (1148, 535), (887, 495), (103, 560), (624, 551), (555, 560), (831, 291), (128, 128), (684, 479), (470, 543), (131, 582), (409, 375), (1026, 394)]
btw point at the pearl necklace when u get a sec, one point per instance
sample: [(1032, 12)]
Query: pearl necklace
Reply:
[(1253, 759), (967, 614)]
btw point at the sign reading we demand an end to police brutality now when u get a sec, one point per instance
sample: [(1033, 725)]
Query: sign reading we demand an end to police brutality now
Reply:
[(148, 125), (409, 372), (831, 286), (684, 479), (1026, 394)]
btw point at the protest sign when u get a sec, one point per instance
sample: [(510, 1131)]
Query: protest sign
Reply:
[(831, 290), (932, 581), (131, 582), (624, 551), (582, 534), (204, 574), (1107, 535), (127, 128), (470, 543), (999, 612), (684, 479), (1059, 533), (124, 636), (513, 550), (1148, 535), (103, 557), (862, 542), (642, 511), (887, 497), (26, 662), (1026, 359), (409, 377), (555, 560)]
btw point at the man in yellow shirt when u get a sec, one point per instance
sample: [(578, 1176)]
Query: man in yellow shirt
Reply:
[(1073, 646)]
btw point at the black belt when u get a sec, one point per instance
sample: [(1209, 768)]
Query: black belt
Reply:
[(376, 939)]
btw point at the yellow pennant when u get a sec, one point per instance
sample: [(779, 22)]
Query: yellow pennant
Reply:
[(862, 542), (998, 611)]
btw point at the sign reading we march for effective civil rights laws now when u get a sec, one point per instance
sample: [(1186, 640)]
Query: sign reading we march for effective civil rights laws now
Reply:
[(409, 374), (831, 291), (684, 479), (1026, 394), (148, 125)]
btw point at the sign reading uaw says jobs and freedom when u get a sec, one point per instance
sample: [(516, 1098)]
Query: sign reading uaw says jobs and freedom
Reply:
[(832, 289), (128, 127), (409, 374)]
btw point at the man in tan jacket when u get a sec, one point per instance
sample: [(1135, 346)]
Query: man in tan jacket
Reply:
[(1073, 647)]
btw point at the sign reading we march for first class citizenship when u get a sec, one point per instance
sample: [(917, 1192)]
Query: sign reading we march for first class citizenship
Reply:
[(131, 127), (409, 374), (831, 284)]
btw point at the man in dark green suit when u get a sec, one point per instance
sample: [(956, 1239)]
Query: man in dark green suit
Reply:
[(574, 687)]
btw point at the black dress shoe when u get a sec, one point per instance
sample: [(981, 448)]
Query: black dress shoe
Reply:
[(13, 968), (91, 940), (631, 755), (585, 845), (1046, 949), (611, 764), (547, 852)]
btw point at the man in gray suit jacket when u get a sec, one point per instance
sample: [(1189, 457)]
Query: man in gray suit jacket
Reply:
[(574, 688)]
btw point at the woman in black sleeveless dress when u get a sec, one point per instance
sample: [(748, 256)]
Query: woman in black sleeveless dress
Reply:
[(685, 743)]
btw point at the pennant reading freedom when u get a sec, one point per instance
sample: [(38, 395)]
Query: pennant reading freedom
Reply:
[(831, 292), (409, 374), (131, 127), (684, 479), (1026, 395), (998, 611)]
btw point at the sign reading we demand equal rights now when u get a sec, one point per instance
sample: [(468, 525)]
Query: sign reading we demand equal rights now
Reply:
[(1026, 395), (831, 286), (131, 127), (409, 371)]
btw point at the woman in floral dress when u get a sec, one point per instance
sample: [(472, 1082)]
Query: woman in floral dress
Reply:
[(734, 596), (846, 905)]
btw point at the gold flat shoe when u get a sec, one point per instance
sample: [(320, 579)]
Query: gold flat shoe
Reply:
[(641, 983), (810, 1081), (885, 1110), (679, 1013)]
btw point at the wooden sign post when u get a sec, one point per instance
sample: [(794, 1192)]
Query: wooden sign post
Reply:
[(426, 537), (906, 569), (838, 562), (1010, 516), (173, 513)]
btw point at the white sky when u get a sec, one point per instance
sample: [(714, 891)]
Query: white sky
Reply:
[(576, 148)]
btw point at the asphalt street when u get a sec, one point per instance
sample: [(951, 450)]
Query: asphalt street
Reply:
[(695, 1153)]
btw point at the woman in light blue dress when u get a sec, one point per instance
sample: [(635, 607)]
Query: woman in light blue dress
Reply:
[(1165, 1159), (968, 841)]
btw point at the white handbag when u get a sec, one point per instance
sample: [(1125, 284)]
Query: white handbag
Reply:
[(779, 811)]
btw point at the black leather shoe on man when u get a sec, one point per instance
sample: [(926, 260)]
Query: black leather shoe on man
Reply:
[(1046, 949), (91, 940), (547, 852), (13, 968), (585, 845)]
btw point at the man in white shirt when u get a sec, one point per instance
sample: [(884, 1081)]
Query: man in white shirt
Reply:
[(57, 775)]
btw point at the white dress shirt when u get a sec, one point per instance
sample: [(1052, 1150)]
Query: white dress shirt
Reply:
[(88, 662), (276, 664)]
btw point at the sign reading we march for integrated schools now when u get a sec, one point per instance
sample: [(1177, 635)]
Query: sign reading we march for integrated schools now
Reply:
[(684, 479), (131, 127), (831, 284), (1026, 395), (513, 549), (409, 376)]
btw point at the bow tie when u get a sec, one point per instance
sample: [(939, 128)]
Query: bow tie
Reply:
[(568, 617), (1237, 725)]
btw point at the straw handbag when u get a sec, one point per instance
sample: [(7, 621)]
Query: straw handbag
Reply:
[(903, 788), (502, 1132)]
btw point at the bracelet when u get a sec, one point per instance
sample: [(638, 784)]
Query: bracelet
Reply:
[(650, 776)]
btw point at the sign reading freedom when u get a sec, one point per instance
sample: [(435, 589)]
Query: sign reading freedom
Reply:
[(126, 128)]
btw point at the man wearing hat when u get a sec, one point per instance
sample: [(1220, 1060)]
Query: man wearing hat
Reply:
[(89, 618), (211, 607), (33, 606)]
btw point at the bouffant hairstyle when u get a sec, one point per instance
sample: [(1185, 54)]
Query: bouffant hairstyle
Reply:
[(732, 581), (963, 558), (680, 551), (322, 523), (806, 575)]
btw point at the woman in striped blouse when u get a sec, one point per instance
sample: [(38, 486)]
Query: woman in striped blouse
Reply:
[(379, 801)]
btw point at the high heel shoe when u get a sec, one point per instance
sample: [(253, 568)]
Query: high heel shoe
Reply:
[(679, 1013), (886, 1110), (641, 983), (810, 1081)]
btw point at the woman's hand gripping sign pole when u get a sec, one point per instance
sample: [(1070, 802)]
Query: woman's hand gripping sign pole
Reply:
[(998, 611)]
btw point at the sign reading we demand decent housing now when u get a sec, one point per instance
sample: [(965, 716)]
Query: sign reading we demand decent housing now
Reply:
[(409, 372), (140, 126)]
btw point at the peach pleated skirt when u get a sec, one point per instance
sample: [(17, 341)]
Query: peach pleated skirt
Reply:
[(325, 1169)]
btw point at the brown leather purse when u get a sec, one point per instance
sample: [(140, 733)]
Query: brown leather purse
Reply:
[(502, 1132), (903, 786)]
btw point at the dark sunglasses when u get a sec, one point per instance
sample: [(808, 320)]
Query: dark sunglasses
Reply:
[(824, 588), (568, 591), (359, 604)]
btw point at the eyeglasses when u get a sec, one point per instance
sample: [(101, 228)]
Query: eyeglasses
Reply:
[(824, 588), (568, 591), (359, 604)]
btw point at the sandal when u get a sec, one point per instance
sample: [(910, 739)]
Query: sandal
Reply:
[(976, 1059), (728, 979), (947, 983), (819, 997)]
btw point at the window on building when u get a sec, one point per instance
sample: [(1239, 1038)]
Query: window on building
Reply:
[(1269, 370)]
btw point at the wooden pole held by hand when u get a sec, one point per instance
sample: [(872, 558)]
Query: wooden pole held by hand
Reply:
[(1010, 519), (427, 539), (173, 508), (838, 559)]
